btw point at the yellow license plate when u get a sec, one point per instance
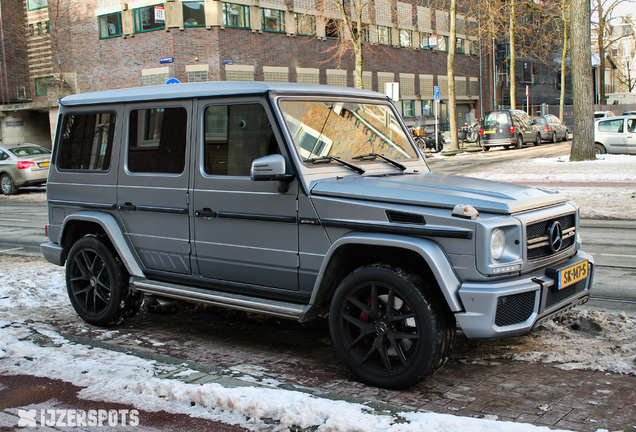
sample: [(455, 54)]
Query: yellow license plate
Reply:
[(45, 164), (573, 274), (490, 131)]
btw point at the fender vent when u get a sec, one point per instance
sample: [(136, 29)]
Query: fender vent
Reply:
[(405, 218)]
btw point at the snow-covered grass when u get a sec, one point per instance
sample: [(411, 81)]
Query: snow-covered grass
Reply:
[(33, 291)]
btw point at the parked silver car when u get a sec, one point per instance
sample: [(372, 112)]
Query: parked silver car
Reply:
[(551, 128), (23, 165), (616, 135)]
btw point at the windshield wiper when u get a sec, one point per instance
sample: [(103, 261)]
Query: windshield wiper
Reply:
[(371, 156), (320, 159)]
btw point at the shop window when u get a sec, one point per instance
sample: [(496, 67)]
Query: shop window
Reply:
[(109, 25), (273, 20), (237, 16), (384, 35), (193, 14), (149, 18), (305, 24)]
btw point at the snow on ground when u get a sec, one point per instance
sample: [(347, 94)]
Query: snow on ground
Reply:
[(33, 291)]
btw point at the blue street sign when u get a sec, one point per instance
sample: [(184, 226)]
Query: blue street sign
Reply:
[(173, 81), (166, 60), (436, 90)]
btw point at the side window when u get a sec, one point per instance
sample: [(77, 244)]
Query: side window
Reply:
[(615, 126), (234, 136), (631, 125), (3, 155), (157, 140), (86, 142)]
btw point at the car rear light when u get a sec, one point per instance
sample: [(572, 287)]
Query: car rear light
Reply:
[(546, 128), (25, 164), (481, 131), (512, 129), (46, 230)]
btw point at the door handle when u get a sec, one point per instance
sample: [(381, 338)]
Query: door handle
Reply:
[(127, 207), (205, 213)]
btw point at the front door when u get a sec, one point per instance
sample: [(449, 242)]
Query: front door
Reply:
[(152, 192), (244, 231)]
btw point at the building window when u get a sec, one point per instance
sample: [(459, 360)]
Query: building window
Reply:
[(460, 46), (384, 35), (42, 85), (47, 27), (332, 29), (337, 78), (442, 43), (528, 72), (235, 15), (273, 20), (198, 76), (37, 4), (367, 80), (424, 38), (364, 32), (40, 28), (193, 14), (31, 31), (150, 79), (427, 108), (406, 38), (109, 25), (474, 48), (21, 90), (149, 18), (408, 108), (305, 24), (308, 75), (239, 73), (275, 74)]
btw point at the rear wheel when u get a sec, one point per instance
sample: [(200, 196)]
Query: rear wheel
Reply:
[(97, 283), (7, 185), (554, 139), (519, 142), (537, 141), (486, 148), (599, 149), (389, 328)]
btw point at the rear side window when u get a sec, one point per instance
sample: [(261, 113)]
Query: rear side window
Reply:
[(540, 121), (157, 140), (86, 142), (496, 119), (615, 126)]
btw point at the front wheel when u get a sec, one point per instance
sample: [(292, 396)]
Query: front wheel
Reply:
[(7, 185), (97, 283), (519, 142), (554, 138), (389, 328), (537, 141)]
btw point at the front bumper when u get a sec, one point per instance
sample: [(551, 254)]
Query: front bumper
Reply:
[(514, 307)]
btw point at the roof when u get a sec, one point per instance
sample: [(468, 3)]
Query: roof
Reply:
[(211, 89)]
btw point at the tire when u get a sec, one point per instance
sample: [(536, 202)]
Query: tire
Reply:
[(519, 143), (7, 185), (97, 283), (390, 346), (486, 148), (440, 146), (554, 137), (537, 141), (599, 149)]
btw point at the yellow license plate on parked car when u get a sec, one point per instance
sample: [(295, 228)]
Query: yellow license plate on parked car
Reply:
[(490, 131), (44, 164), (571, 275)]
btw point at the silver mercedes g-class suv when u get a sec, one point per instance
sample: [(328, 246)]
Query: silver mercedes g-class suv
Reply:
[(297, 201)]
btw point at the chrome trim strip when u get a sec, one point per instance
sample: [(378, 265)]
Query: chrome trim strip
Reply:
[(95, 206), (420, 231)]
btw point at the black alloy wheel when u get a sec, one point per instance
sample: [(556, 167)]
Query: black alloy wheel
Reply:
[(97, 283), (386, 330)]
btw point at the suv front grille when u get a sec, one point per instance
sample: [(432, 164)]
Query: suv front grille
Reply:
[(514, 309), (556, 296), (538, 242)]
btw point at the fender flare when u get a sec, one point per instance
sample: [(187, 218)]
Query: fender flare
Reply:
[(113, 231), (430, 251)]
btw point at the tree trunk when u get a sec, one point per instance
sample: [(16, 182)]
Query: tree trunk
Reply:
[(601, 52), (581, 54), (513, 56), (450, 62)]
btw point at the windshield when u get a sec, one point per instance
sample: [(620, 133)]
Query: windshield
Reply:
[(29, 151), (345, 130)]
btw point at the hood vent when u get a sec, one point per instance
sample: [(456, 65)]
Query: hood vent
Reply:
[(405, 218)]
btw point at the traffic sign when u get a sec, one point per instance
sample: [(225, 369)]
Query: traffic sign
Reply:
[(436, 90)]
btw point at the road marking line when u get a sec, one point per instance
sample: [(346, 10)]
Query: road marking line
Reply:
[(616, 255), (14, 220), (8, 250)]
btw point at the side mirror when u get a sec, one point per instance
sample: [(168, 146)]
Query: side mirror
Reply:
[(272, 168)]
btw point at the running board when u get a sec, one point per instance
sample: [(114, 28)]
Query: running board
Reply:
[(218, 298)]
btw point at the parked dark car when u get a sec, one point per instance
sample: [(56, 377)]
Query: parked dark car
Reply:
[(22, 165), (508, 128), (551, 128)]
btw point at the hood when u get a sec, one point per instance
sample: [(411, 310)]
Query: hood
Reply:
[(440, 190)]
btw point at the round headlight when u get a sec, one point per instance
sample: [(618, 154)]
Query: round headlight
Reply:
[(497, 243)]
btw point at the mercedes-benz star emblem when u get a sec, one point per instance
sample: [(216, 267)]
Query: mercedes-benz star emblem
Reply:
[(555, 235)]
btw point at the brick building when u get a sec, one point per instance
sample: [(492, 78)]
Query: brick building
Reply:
[(105, 44)]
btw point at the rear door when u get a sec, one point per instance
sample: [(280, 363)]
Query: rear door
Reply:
[(496, 126), (152, 191), (245, 231)]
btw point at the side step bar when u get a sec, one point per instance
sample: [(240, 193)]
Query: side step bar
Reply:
[(218, 298)]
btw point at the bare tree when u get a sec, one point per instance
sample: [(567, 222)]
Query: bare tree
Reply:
[(513, 54), (353, 33), (626, 75), (581, 53), (15, 60)]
